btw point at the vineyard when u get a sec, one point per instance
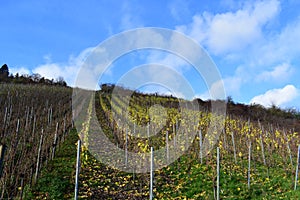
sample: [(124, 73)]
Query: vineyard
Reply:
[(34, 121), (257, 160), (236, 158)]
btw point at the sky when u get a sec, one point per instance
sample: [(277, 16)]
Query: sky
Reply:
[(254, 44)]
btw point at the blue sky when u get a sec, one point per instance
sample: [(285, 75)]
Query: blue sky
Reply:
[(255, 44)]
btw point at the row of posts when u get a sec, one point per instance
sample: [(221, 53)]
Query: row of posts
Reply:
[(3, 149)]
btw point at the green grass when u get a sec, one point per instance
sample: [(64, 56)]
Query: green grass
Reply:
[(192, 180), (56, 181), (186, 178)]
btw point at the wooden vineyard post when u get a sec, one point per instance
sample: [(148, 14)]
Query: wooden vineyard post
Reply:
[(249, 164), (249, 155), (262, 150), (33, 126), (27, 111), (174, 138), (167, 146), (297, 168), (200, 146), (50, 116), (64, 131), (54, 142), (38, 158), (18, 126), (218, 173), (225, 139), (174, 130), (126, 147), (2, 154), (234, 149), (77, 169), (187, 134), (151, 174), (262, 144)]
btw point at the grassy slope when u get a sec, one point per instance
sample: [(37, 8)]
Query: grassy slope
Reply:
[(57, 179), (187, 179), (184, 179)]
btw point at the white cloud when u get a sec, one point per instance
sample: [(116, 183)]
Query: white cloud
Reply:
[(217, 90), (53, 70), (197, 29), (161, 90), (130, 18), (158, 77), (279, 73), (128, 21), (277, 97), (222, 88), (49, 70), (232, 85), (67, 70), (19, 70), (232, 31), (204, 96), (281, 47), (179, 9), (169, 60)]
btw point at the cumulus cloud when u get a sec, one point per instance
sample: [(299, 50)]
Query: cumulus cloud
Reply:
[(49, 70), (197, 29), (232, 84), (276, 97), (222, 33), (276, 45), (279, 73), (68, 70), (244, 38), (232, 31)]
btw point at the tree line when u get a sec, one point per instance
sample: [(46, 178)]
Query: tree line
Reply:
[(6, 77)]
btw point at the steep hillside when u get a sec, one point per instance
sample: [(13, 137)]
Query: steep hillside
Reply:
[(257, 146), (35, 119), (257, 155)]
